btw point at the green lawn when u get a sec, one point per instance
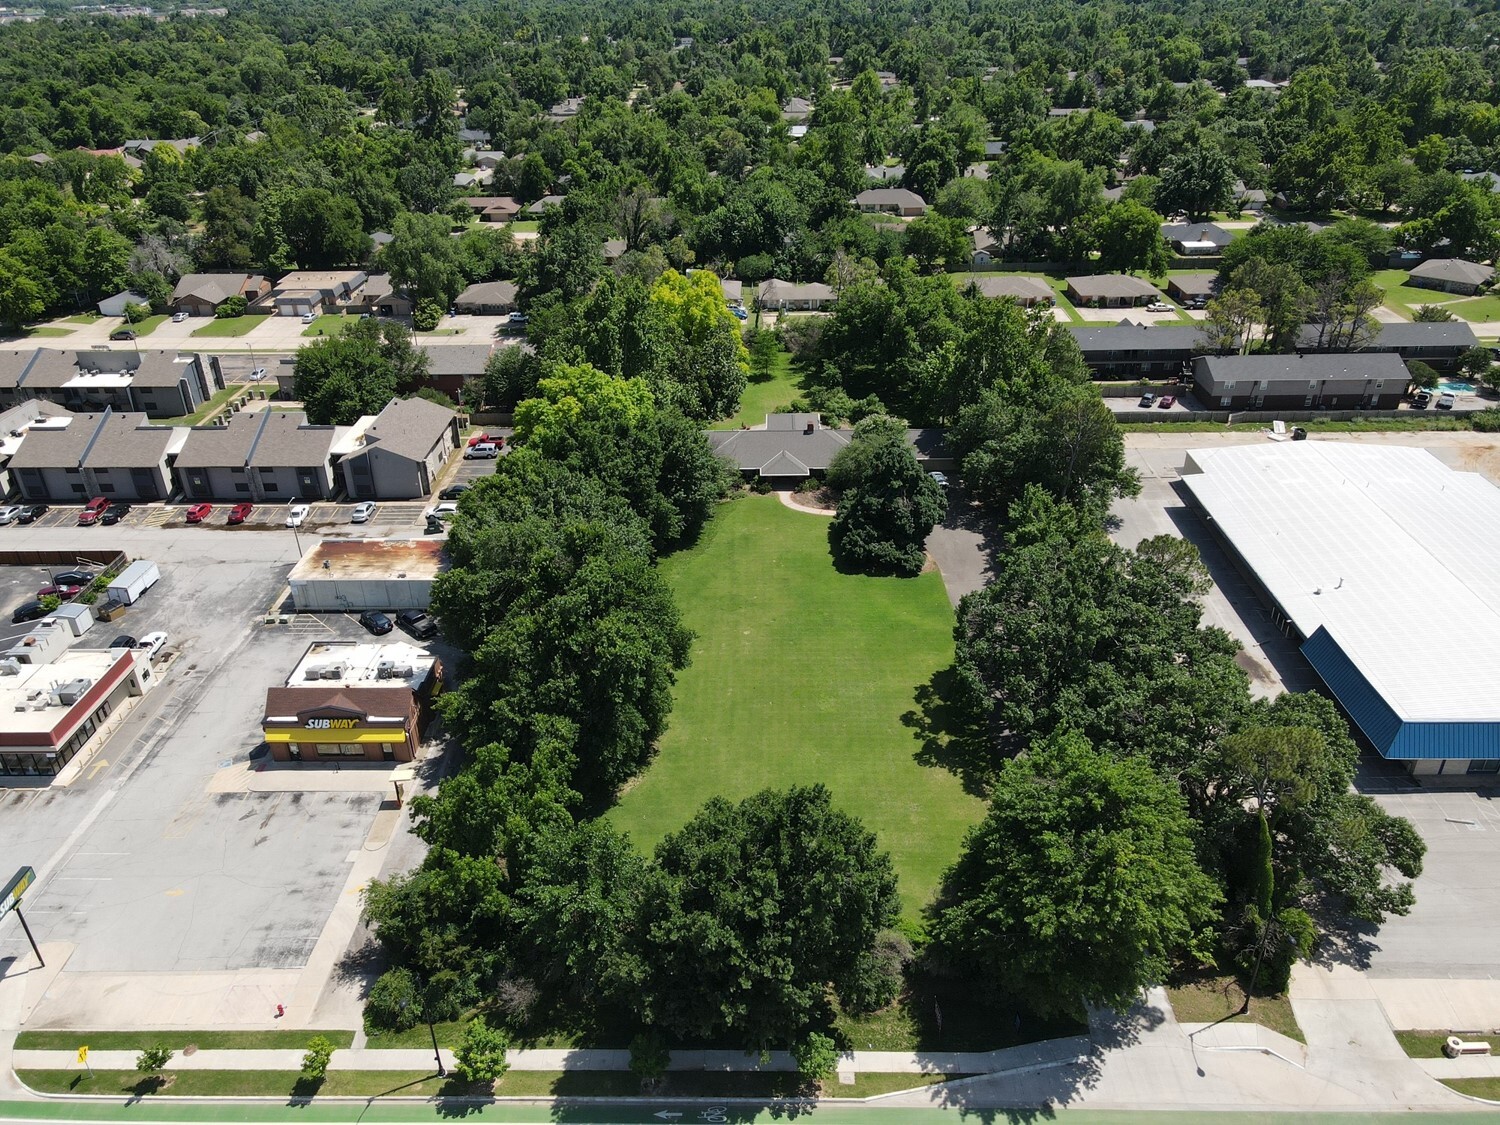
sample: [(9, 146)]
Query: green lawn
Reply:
[(1406, 299), (329, 324), (1487, 1088), (203, 412), (1476, 308), (46, 330), (441, 332), (765, 396), (177, 1040), (1210, 998), (232, 326), (83, 318), (150, 324), (801, 674), (1422, 1044), (524, 226)]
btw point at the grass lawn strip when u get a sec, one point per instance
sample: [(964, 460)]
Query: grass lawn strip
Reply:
[(210, 407), (148, 325), (1357, 426), (766, 396), (1210, 999), (46, 331), (407, 1084), (1476, 309), (232, 326), (801, 675), (329, 324), (177, 1040), (1429, 1044), (1487, 1088)]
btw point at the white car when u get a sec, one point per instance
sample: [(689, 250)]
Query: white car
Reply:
[(152, 643), (443, 511), (9, 513), (297, 514), (939, 478), (308, 318), (1158, 306), (178, 317), (362, 512), (257, 375)]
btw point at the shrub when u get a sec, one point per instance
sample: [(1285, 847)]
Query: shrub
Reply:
[(50, 602), (517, 997), (154, 1059), (232, 307), (427, 315), (480, 1055), (761, 486), (817, 1057), (395, 1003), (135, 313), (649, 1058), (315, 1063), (877, 977), (1486, 421), (811, 484)]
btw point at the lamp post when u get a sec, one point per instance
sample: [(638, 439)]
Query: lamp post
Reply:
[(437, 1055)]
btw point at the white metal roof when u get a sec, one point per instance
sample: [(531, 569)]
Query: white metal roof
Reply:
[(1385, 546)]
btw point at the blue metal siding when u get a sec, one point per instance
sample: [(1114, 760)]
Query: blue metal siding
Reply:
[(1364, 705), (1381, 725)]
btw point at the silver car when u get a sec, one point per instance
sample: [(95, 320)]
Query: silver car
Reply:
[(362, 512)]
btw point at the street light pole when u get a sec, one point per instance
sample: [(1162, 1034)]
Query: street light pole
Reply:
[(436, 1054)]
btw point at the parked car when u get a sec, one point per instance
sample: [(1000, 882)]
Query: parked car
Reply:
[(1446, 401), (738, 313), (308, 318), (376, 622), (417, 623), (197, 513), (122, 334), (241, 511), (66, 593), (1148, 399), (482, 436), (517, 318), (1166, 402), (484, 451), (30, 513), (362, 512), (179, 317), (115, 513), (453, 492), (10, 513), (73, 578), (124, 640), (92, 511), (1158, 306), (28, 611), (442, 511), (257, 375), (297, 514), (1421, 400), (152, 643), (940, 478)]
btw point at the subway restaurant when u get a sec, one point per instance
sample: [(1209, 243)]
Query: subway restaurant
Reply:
[(342, 724)]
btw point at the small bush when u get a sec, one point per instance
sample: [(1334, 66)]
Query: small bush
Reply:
[(232, 307), (817, 1057), (1486, 421), (649, 1059), (315, 1062), (395, 1003), (154, 1059), (480, 1055), (135, 313), (811, 484), (427, 315)]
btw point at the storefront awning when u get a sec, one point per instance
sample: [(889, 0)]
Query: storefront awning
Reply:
[(365, 734)]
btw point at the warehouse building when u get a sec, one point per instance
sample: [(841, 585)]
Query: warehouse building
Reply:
[(1380, 562), (353, 575)]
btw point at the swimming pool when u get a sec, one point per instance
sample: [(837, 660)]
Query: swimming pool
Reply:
[(1449, 386)]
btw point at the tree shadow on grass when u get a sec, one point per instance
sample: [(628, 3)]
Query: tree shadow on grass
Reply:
[(950, 738)]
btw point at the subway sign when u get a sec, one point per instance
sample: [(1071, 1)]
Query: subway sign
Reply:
[(332, 724)]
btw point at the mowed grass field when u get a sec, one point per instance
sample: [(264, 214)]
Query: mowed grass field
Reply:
[(799, 675)]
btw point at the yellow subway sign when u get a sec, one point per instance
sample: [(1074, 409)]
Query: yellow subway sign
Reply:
[(10, 897)]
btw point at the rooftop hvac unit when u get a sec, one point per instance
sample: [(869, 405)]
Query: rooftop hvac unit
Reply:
[(70, 692), (333, 672), (401, 671), (313, 672), (29, 703), (383, 669)]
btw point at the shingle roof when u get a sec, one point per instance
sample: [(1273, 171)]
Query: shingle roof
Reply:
[(772, 452), (1409, 334), (1112, 285), (775, 290), (387, 702), (1166, 338), (1021, 288), (1200, 284), (13, 364), (129, 441), (163, 369), (59, 448), (1306, 368), (488, 293), (288, 440), (1196, 232), (1454, 269), (889, 197), (212, 447), (213, 287), (456, 359), (408, 427)]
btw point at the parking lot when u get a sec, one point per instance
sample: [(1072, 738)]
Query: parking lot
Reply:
[(149, 862)]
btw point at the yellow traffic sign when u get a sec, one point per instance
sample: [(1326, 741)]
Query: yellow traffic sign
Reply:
[(83, 1054)]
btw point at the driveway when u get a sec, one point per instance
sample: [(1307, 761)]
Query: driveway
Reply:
[(963, 545)]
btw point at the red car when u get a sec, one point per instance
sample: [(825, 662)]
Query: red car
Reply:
[(93, 510), (240, 511), (197, 513), (65, 592), (496, 440), (1166, 401)]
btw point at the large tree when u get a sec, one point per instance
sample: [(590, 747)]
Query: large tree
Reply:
[(1129, 238), (423, 258), (323, 230), (357, 372), (883, 521), (1080, 886)]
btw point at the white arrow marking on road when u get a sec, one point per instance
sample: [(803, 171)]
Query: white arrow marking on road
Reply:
[(666, 1116)]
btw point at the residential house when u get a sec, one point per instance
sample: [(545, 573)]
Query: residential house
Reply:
[(796, 109), (380, 298), (1451, 275), (1111, 291), (1136, 351), (264, 456), (396, 455), (493, 208), (1190, 287), (1338, 381), (1025, 291), (543, 203), (483, 177), (886, 173), (201, 294), (139, 148), (986, 249), (316, 291), (115, 306), (614, 250), (1439, 344), (1252, 200), (776, 295), (993, 150), (119, 456), (451, 367), (487, 298), (734, 291), (980, 172), (474, 137), (565, 110), (793, 447), (487, 158), (160, 384), (1196, 239), (896, 201)]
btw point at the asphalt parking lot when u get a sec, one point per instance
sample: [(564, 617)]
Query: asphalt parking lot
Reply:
[(144, 868)]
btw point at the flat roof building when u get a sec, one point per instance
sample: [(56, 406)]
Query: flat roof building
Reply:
[(1343, 540), (352, 575)]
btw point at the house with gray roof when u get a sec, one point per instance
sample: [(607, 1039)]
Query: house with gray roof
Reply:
[(487, 298), (161, 384), (201, 294), (1111, 291), (1439, 344), (886, 173), (1138, 351), (119, 456), (1336, 381), (380, 297), (790, 448), (896, 201), (1196, 239), (263, 456), (1451, 275), (776, 295), (796, 109), (451, 367), (1192, 286), (398, 453), (1025, 291), (316, 291), (543, 203)]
